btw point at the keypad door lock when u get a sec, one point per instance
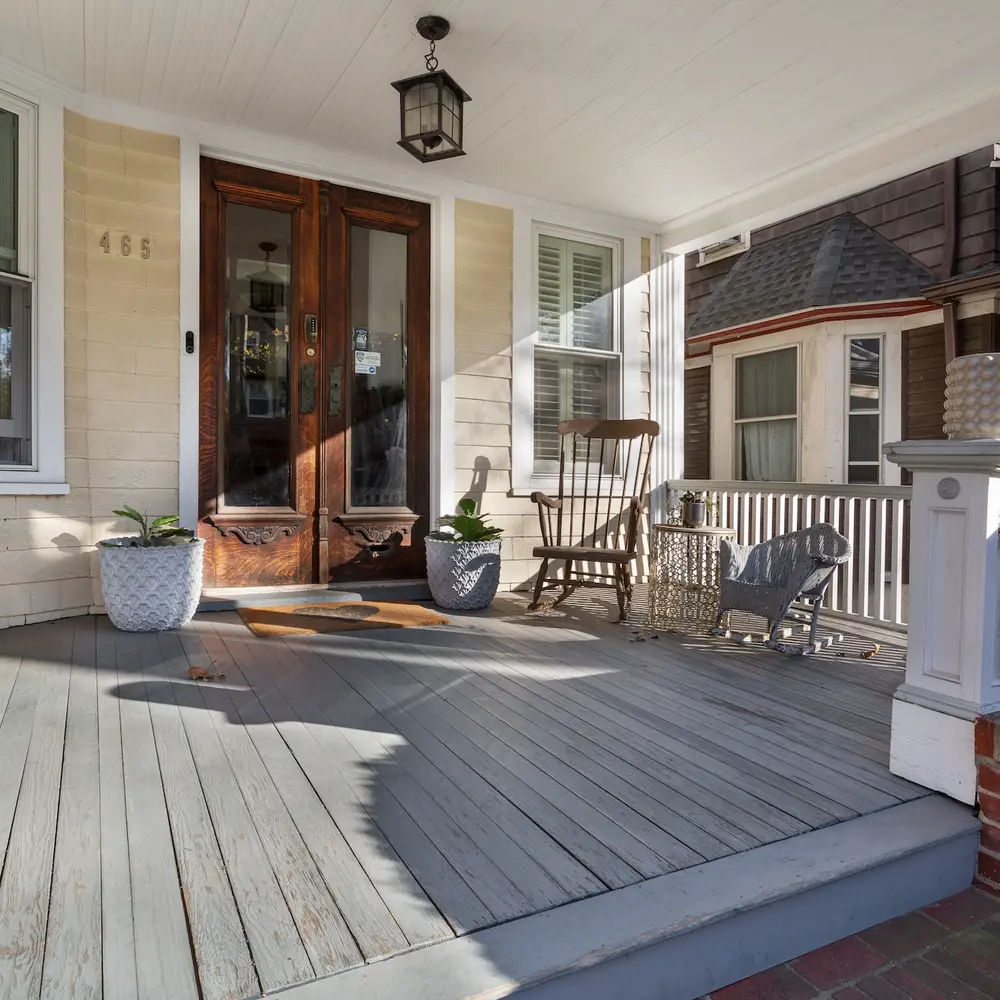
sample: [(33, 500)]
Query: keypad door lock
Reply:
[(311, 328)]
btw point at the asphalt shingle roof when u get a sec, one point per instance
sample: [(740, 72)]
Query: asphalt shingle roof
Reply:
[(838, 262)]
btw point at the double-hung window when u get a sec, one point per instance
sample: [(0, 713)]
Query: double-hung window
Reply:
[(16, 285), (767, 424), (577, 343), (864, 410)]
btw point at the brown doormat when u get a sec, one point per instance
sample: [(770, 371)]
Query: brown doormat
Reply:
[(337, 616)]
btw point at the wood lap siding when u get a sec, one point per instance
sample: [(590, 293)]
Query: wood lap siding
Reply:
[(923, 383), (697, 427), (909, 211)]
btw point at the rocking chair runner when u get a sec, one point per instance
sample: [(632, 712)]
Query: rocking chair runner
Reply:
[(594, 520)]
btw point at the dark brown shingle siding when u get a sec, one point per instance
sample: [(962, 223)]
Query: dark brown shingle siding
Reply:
[(909, 211), (697, 424)]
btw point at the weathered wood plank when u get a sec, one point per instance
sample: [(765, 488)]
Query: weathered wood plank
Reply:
[(27, 873), (420, 864), (820, 787), (496, 893), (326, 936), (537, 889), (72, 965), (229, 884), (562, 866), (163, 958), (117, 930), (370, 920), (411, 697), (781, 797)]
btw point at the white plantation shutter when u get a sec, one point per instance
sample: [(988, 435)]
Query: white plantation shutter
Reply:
[(551, 265), (592, 318), (576, 367)]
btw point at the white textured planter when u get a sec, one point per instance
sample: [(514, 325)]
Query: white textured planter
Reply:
[(463, 576), (150, 589), (972, 397)]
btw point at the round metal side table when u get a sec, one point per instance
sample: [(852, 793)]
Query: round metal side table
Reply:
[(684, 577)]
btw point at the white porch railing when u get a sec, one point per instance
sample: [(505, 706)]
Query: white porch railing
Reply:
[(871, 587)]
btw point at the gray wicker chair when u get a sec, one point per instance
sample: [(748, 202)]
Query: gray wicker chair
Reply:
[(766, 579)]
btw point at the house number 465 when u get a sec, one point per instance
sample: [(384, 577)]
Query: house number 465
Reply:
[(145, 249)]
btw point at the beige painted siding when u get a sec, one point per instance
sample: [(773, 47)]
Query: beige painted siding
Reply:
[(484, 333), (122, 389)]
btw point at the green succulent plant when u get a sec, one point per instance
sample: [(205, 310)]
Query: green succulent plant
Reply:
[(466, 526), (157, 532)]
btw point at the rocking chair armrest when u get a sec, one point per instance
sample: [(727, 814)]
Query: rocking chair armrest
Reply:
[(545, 501)]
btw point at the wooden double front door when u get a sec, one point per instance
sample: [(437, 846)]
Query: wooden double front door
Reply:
[(315, 380)]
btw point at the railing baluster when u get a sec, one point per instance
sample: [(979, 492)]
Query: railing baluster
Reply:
[(880, 557), (896, 572), (864, 556), (833, 516), (851, 533)]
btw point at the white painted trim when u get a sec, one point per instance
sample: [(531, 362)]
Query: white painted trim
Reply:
[(628, 276), (190, 319), (42, 257), (33, 489), (934, 750), (442, 450), (420, 183), (666, 363), (884, 156), (701, 361)]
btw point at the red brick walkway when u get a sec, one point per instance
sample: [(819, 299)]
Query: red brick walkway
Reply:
[(948, 951)]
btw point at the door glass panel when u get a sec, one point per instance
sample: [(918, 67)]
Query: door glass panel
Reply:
[(378, 396), (257, 437)]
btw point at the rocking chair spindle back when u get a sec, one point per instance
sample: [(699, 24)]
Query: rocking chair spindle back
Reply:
[(594, 520)]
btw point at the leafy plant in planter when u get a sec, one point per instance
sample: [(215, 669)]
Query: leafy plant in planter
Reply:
[(151, 581), (696, 506), (463, 559), (160, 531)]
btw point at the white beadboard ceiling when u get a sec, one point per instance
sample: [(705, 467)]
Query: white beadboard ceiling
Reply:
[(653, 109)]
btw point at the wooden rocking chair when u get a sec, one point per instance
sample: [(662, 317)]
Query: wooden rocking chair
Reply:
[(594, 520)]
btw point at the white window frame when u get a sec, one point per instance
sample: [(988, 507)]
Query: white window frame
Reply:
[(714, 252), (626, 269), (41, 225), (880, 337), (796, 416)]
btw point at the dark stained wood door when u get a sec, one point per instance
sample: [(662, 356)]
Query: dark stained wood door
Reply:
[(312, 466), (375, 468)]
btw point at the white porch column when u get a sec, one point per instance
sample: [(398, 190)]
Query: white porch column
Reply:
[(666, 347), (953, 654)]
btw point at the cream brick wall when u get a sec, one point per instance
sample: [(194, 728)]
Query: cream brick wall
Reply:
[(484, 334), (121, 356)]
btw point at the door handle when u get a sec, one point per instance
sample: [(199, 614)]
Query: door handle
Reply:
[(336, 390), (307, 388)]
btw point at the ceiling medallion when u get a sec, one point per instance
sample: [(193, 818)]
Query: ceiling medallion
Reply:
[(431, 105)]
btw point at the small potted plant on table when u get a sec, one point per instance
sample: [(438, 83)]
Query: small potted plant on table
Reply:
[(694, 509), (151, 581), (463, 560)]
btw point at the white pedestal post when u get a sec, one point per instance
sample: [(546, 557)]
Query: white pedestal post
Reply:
[(953, 652)]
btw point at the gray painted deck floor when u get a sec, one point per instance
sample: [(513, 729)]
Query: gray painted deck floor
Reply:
[(337, 799)]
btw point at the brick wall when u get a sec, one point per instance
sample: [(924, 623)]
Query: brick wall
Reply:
[(122, 390), (988, 769)]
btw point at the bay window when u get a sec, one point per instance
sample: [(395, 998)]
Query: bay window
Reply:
[(767, 425), (576, 362)]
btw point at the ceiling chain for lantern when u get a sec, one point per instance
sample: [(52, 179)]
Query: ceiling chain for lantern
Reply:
[(431, 105)]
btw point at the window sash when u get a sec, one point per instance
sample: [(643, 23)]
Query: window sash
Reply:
[(863, 411), (17, 268), (569, 267)]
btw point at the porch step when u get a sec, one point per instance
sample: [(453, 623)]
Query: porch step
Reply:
[(682, 935), (231, 598)]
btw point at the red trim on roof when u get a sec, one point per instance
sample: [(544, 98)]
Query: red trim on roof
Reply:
[(822, 314)]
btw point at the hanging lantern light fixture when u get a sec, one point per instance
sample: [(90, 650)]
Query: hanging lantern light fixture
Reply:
[(430, 105)]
